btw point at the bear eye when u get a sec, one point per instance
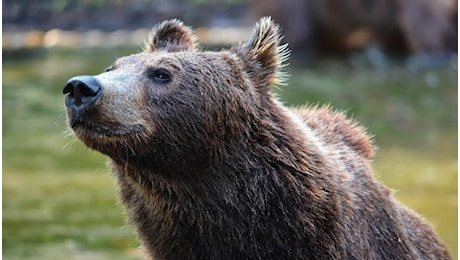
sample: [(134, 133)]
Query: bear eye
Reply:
[(159, 75), (109, 68)]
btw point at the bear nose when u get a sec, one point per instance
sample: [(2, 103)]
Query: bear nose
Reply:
[(82, 92)]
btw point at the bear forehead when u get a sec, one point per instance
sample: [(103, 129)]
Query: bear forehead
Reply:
[(175, 60)]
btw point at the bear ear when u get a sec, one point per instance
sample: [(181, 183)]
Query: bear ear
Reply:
[(264, 48), (171, 36)]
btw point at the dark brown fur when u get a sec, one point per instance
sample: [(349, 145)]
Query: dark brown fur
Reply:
[(211, 166)]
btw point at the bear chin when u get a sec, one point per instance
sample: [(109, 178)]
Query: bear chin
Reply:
[(101, 137), (111, 130)]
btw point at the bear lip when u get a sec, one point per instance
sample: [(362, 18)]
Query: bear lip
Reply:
[(112, 130)]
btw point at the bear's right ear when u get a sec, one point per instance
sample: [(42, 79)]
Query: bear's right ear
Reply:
[(171, 36), (264, 49)]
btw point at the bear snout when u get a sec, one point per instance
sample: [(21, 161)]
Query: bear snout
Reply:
[(82, 92)]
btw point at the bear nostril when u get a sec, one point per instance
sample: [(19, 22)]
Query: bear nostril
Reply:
[(82, 91), (88, 91)]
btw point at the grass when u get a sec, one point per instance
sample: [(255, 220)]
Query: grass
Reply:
[(60, 202), (63, 216)]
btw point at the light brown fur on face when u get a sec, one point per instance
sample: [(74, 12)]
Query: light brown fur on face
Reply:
[(210, 165)]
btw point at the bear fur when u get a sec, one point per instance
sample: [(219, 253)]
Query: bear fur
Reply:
[(210, 164), (416, 26)]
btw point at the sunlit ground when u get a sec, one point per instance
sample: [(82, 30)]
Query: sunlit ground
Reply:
[(60, 202)]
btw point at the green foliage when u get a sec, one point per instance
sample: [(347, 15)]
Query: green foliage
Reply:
[(59, 201)]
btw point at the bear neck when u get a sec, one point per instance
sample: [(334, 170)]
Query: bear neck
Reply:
[(192, 204)]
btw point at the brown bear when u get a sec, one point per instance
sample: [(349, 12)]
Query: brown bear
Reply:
[(211, 165)]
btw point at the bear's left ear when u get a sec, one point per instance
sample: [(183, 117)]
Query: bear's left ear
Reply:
[(263, 48), (171, 36)]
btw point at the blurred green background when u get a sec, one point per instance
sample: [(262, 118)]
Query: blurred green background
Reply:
[(59, 199)]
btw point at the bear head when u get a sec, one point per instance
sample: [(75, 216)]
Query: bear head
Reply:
[(175, 104)]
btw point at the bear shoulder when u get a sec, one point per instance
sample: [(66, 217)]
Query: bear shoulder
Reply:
[(334, 127)]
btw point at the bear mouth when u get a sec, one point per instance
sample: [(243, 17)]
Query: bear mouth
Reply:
[(105, 130)]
